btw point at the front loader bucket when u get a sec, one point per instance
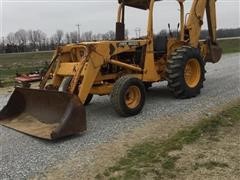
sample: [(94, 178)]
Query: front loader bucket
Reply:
[(44, 114)]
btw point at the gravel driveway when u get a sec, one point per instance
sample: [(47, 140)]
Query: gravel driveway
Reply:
[(22, 156)]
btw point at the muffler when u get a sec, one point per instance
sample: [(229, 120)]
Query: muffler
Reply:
[(44, 114)]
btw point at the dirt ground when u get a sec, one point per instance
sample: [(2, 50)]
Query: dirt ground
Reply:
[(207, 159), (6, 90), (211, 158), (9, 89), (107, 154)]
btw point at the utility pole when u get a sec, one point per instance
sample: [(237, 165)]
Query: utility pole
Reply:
[(138, 32), (78, 33)]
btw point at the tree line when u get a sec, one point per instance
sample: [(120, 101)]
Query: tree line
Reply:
[(37, 40), (221, 33)]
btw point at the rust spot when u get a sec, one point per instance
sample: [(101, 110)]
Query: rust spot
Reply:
[(112, 49)]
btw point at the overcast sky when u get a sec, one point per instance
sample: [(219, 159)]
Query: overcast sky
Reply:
[(98, 16)]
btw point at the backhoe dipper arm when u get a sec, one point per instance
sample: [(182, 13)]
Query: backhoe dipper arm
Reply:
[(195, 20), (212, 21)]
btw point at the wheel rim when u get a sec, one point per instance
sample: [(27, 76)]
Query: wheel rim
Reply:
[(132, 97), (192, 73)]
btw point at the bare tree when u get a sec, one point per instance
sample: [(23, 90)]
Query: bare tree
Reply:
[(11, 38), (126, 34), (68, 38), (52, 43), (87, 36), (40, 37), (21, 36), (2, 45), (97, 37), (32, 38), (110, 35), (36, 37), (58, 36), (74, 36)]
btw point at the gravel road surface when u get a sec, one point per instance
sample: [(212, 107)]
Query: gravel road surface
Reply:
[(22, 156)]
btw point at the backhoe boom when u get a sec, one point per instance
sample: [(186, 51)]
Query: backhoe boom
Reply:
[(195, 20)]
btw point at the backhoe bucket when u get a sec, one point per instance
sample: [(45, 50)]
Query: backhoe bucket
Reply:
[(44, 114)]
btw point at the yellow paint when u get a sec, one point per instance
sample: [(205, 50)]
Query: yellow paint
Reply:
[(86, 62), (103, 89), (132, 97), (67, 69), (192, 73)]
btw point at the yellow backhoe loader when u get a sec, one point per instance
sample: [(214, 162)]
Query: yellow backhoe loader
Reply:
[(121, 68)]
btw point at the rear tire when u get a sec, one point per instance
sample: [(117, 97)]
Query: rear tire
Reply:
[(64, 88), (185, 72), (128, 96)]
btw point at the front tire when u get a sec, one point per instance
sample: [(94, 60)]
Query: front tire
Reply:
[(64, 88), (128, 96), (186, 72)]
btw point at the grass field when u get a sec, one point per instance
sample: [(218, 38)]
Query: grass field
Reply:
[(26, 62), (10, 64), (157, 158), (230, 46)]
